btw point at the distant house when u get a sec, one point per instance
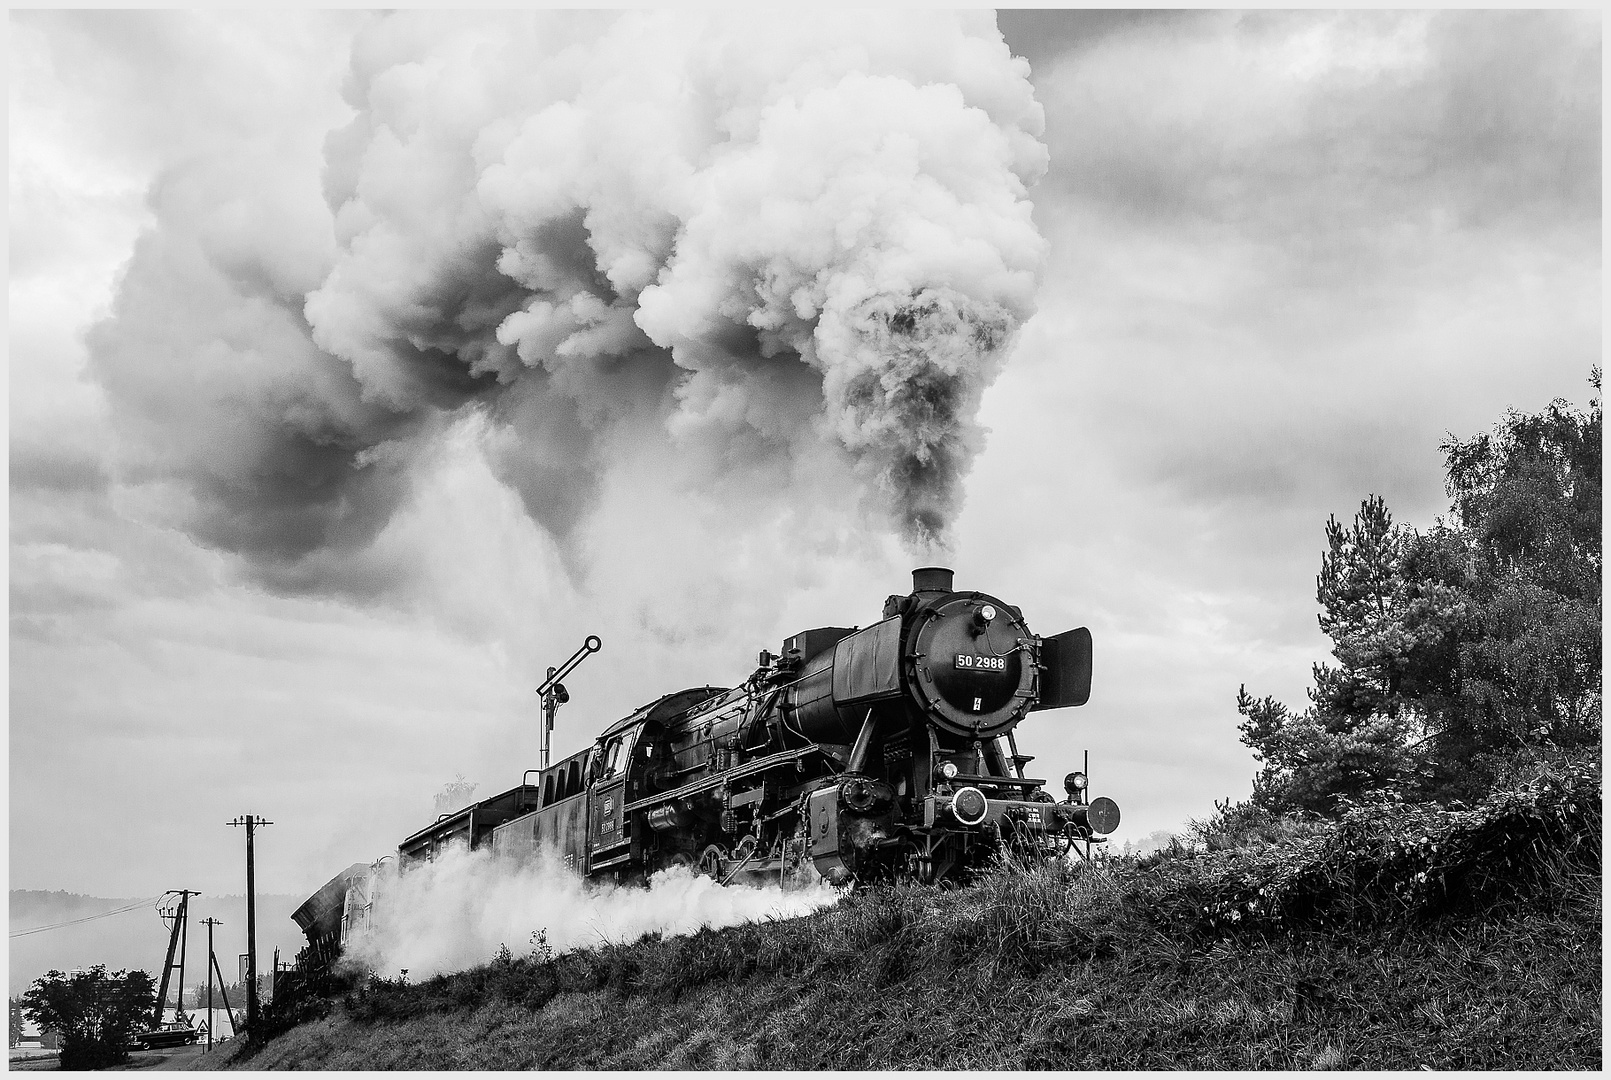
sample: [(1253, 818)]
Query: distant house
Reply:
[(32, 1037)]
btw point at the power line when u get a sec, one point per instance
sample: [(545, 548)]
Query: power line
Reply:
[(85, 919)]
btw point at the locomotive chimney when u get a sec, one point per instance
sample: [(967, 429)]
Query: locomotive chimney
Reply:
[(931, 579)]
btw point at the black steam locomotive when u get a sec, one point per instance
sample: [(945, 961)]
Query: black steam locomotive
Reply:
[(876, 753), (854, 754)]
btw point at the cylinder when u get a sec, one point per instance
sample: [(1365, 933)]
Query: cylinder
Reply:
[(932, 579), (669, 818)]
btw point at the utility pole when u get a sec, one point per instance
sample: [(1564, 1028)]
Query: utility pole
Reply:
[(178, 940), (251, 824), (209, 923), (184, 947)]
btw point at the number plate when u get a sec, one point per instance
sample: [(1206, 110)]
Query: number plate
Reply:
[(965, 662)]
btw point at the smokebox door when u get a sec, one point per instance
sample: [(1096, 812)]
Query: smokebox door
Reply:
[(866, 665), (1067, 678)]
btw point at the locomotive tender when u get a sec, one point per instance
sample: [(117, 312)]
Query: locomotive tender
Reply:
[(868, 753), (862, 754)]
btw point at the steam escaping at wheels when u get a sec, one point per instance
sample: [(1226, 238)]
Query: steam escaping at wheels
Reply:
[(854, 754), (457, 911)]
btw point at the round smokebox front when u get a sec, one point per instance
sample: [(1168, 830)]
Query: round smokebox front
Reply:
[(969, 667)]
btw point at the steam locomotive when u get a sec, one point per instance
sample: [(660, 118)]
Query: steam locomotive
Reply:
[(864, 754)]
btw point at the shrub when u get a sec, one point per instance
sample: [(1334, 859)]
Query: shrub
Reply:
[(1388, 860)]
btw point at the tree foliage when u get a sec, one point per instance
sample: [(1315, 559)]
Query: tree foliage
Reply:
[(95, 1013), (1459, 649)]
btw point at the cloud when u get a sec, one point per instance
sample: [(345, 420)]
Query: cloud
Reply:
[(1335, 125), (1284, 236), (63, 472)]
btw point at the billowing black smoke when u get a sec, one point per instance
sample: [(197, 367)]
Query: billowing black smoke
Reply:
[(744, 237)]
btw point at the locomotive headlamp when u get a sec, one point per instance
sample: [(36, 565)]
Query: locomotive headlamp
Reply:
[(1074, 783), (987, 612), (947, 770), (969, 806), (982, 616)]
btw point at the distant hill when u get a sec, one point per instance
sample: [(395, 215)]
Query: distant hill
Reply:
[(137, 938)]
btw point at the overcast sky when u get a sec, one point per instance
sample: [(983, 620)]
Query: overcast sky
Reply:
[(1280, 256)]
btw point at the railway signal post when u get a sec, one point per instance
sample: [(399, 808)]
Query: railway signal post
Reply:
[(554, 693), (251, 823)]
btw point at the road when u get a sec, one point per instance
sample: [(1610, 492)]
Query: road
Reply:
[(177, 1057)]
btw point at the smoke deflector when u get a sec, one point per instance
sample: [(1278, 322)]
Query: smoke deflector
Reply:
[(1066, 678), (866, 665)]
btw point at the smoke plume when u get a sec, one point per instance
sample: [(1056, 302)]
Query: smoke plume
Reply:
[(455, 912), (748, 242)]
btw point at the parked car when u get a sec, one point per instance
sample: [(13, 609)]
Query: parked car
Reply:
[(171, 1034)]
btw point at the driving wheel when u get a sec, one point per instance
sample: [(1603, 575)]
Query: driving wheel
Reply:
[(710, 862)]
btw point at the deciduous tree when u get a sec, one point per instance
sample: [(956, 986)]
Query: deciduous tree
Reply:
[(1528, 499), (95, 1013)]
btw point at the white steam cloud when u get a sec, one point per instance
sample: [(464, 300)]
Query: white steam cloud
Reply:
[(455, 913), (758, 243)]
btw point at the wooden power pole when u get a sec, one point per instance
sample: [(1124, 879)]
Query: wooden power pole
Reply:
[(178, 939), (251, 824), (209, 923)]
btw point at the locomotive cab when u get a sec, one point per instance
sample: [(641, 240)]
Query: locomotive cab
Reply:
[(609, 837)]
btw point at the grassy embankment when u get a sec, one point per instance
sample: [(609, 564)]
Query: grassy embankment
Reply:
[(1400, 937)]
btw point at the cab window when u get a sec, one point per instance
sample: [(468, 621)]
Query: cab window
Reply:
[(612, 755), (617, 753)]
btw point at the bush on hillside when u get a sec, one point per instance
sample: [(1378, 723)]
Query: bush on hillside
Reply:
[(1388, 859), (299, 997)]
